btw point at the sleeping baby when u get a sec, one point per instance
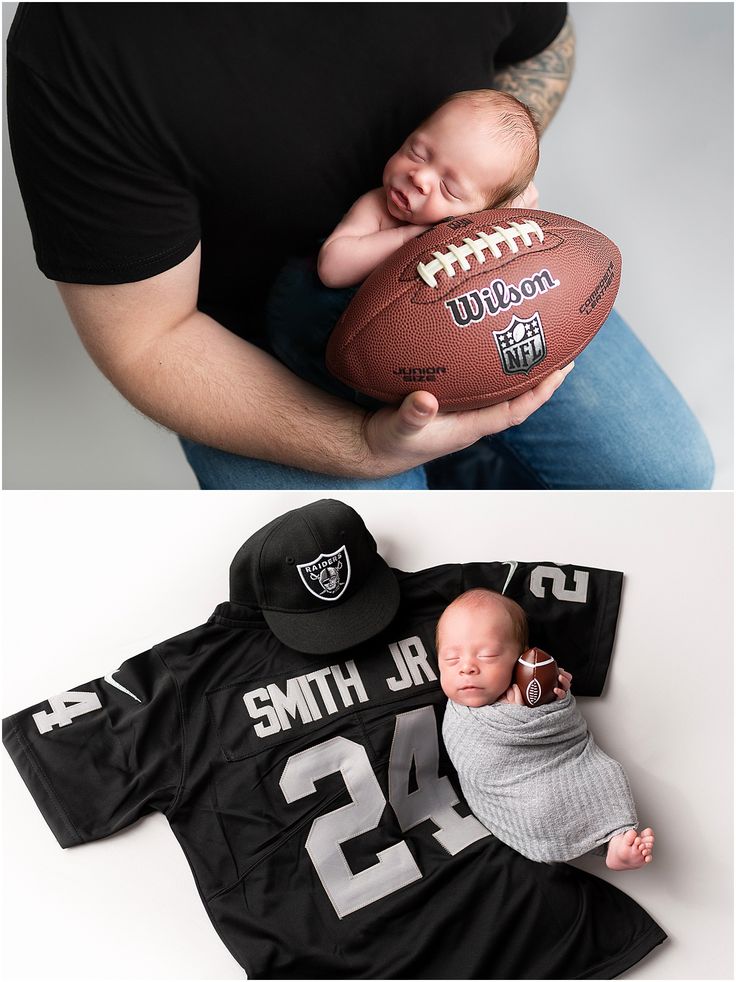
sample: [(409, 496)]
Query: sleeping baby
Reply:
[(533, 776), (479, 149)]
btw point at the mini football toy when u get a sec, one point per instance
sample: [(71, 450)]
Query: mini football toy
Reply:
[(536, 674)]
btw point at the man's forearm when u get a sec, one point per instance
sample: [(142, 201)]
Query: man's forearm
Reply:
[(184, 370), (541, 82), (205, 383)]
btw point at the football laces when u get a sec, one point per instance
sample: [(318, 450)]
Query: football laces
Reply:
[(476, 248), (533, 691)]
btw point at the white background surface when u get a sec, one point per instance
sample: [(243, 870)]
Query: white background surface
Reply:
[(641, 148), (91, 579)]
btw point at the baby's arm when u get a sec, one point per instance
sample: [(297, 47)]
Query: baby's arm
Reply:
[(366, 236)]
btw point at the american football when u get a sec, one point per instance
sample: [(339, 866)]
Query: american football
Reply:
[(477, 309), (536, 674)]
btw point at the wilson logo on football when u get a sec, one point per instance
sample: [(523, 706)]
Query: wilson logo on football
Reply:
[(445, 261), (499, 296), (327, 576)]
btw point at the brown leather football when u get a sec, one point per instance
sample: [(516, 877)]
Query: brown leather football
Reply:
[(536, 673), (477, 309)]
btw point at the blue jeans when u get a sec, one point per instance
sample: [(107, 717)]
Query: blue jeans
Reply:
[(617, 422)]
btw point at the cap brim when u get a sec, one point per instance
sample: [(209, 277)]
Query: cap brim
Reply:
[(335, 628)]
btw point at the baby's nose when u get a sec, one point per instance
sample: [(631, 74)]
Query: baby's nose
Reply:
[(421, 182)]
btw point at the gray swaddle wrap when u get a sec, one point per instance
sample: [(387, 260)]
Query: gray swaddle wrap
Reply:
[(537, 779)]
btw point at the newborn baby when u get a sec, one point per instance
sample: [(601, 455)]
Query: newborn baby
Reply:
[(478, 150), (534, 777)]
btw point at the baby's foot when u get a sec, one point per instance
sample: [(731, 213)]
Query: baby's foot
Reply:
[(630, 850)]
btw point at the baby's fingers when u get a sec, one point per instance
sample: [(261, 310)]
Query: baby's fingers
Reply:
[(564, 678)]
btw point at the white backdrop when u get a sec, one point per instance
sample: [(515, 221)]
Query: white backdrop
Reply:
[(91, 579)]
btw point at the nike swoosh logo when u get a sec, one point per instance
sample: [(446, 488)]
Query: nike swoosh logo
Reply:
[(111, 681), (512, 570)]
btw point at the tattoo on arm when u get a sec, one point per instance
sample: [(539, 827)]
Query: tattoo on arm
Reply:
[(541, 81)]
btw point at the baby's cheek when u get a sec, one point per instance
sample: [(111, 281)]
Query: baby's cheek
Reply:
[(503, 679), (446, 683)]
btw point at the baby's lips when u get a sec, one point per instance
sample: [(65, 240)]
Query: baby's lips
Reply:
[(399, 198)]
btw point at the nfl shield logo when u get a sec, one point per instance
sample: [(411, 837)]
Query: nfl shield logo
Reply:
[(327, 576), (521, 345)]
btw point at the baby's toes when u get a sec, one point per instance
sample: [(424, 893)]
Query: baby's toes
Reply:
[(629, 837)]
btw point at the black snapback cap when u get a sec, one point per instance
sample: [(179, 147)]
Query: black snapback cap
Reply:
[(316, 574)]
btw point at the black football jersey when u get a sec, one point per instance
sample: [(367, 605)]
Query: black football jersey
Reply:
[(313, 798)]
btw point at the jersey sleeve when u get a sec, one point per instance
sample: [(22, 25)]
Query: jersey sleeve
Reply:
[(572, 612), (535, 26), (103, 203), (100, 756)]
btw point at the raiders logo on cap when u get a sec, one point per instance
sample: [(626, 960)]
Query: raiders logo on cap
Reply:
[(328, 575), (300, 609)]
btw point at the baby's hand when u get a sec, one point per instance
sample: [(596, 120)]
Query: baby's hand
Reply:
[(512, 695), (565, 680), (412, 231)]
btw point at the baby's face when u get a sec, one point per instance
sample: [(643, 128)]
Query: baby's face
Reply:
[(477, 652), (446, 167)]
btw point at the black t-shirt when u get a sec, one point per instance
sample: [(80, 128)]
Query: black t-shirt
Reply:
[(313, 798), (139, 129)]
